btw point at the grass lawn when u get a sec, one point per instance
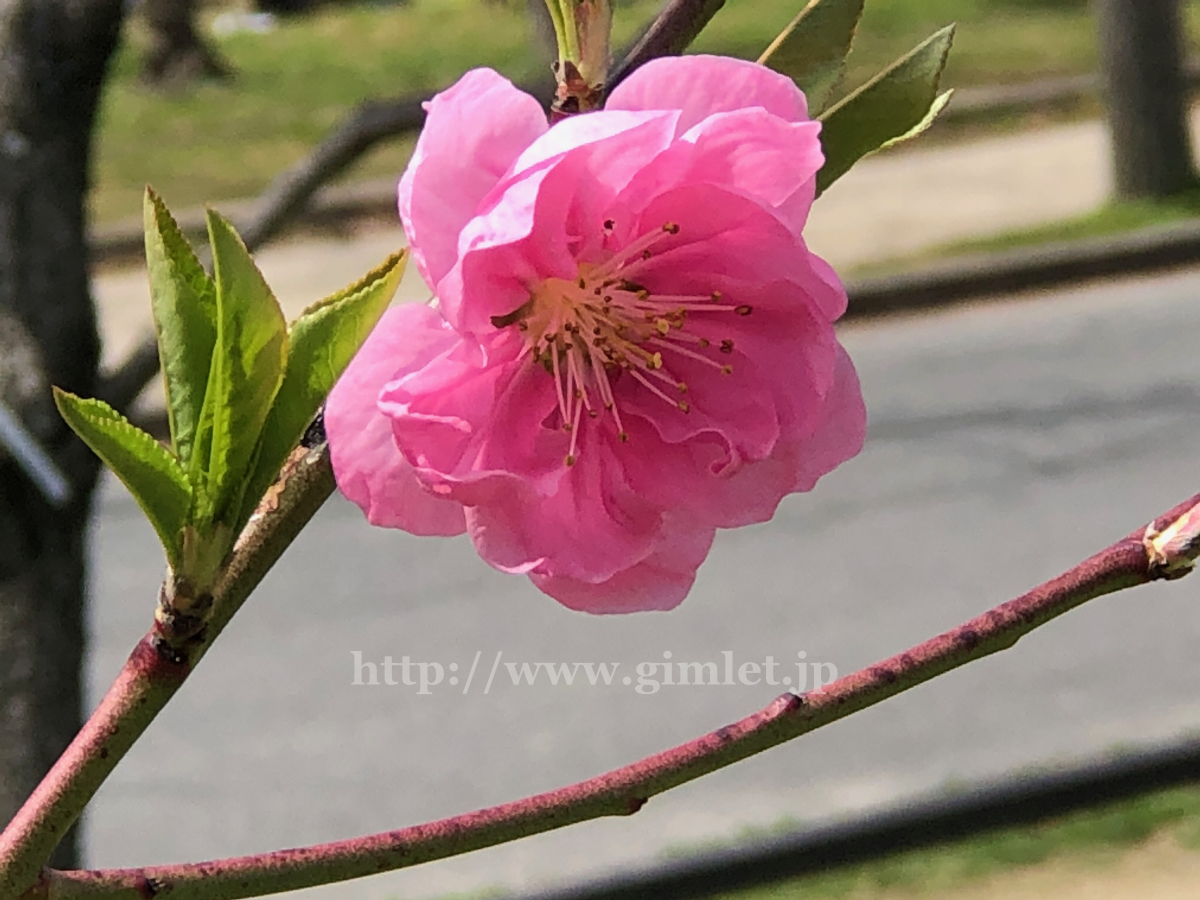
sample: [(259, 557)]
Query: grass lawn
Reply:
[(1096, 837), (1111, 219), (215, 142), (1114, 218)]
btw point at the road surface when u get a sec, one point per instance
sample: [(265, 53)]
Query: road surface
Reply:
[(1007, 441)]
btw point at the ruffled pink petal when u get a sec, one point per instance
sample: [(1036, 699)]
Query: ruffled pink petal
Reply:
[(454, 416), (369, 468), (784, 359), (825, 287), (787, 349), (658, 582), (697, 478), (737, 409), (701, 86), (841, 431), (586, 524), (760, 156), (731, 244), (473, 133), (480, 436), (576, 132), (537, 225)]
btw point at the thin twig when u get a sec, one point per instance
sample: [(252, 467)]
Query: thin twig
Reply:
[(154, 672), (1164, 549), (672, 31)]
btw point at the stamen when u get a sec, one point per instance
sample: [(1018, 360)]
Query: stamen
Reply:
[(649, 385), (645, 242), (574, 436), (691, 354), (588, 330), (558, 385)]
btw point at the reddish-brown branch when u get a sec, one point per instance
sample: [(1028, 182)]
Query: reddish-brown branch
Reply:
[(1163, 550), (155, 670)]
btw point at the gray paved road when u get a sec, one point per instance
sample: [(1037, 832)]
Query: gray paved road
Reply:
[(1006, 444)]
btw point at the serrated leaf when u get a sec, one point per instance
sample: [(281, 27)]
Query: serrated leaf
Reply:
[(184, 301), (153, 475), (812, 49), (322, 342), (247, 369), (889, 106)]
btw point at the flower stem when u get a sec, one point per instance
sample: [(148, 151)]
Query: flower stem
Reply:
[(155, 670), (1165, 549)]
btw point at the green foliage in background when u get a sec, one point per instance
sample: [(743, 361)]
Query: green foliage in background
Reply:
[(1094, 837), (221, 141)]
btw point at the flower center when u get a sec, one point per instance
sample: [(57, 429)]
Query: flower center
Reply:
[(605, 325)]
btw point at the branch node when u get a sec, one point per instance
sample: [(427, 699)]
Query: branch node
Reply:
[(1172, 552)]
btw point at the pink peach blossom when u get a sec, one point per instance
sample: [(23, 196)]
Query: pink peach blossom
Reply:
[(631, 345)]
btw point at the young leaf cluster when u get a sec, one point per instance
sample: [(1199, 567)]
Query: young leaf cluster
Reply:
[(242, 386), (897, 104)]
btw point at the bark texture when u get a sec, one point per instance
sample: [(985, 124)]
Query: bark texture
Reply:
[(176, 52), (1141, 64), (53, 58)]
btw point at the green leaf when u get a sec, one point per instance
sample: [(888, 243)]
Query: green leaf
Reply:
[(323, 340), (247, 369), (812, 49), (921, 127), (153, 475), (889, 106), (184, 301)]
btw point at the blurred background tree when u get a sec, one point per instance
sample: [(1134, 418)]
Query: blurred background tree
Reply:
[(176, 52), (1141, 63), (55, 54)]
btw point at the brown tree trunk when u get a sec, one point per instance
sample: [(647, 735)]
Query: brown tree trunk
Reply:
[(53, 59), (177, 53), (1141, 63)]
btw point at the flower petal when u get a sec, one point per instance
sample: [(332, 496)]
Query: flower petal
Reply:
[(473, 133), (576, 132), (658, 582), (760, 156), (369, 468), (732, 244), (842, 429), (700, 86), (473, 411), (583, 520), (538, 224), (784, 358)]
